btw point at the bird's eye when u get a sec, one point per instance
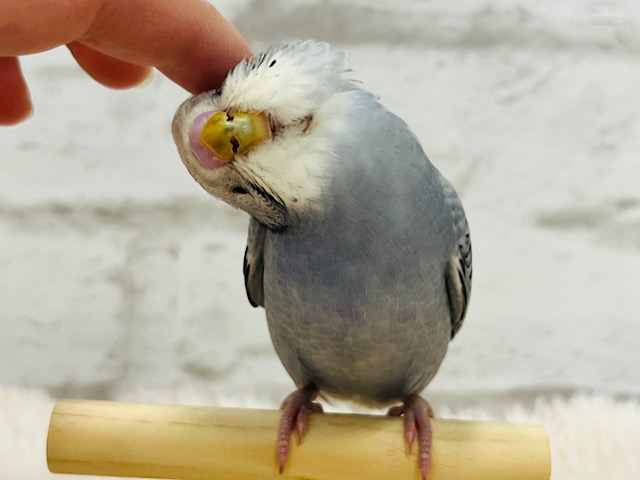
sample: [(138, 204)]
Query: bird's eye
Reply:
[(240, 190)]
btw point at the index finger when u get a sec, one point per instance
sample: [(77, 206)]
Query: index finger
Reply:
[(187, 40)]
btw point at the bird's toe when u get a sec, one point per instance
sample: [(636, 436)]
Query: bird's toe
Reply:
[(416, 413), (296, 409)]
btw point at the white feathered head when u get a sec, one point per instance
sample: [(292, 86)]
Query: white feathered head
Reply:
[(263, 142)]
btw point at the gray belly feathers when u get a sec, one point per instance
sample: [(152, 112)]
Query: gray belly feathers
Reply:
[(364, 304)]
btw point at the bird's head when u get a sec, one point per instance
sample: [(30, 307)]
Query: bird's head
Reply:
[(263, 142)]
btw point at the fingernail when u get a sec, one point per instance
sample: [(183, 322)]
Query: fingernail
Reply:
[(30, 114), (147, 80)]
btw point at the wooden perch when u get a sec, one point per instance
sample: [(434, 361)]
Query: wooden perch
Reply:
[(198, 443)]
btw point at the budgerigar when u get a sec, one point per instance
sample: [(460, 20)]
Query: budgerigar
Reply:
[(358, 248)]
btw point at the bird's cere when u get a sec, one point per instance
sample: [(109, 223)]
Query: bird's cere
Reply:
[(227, 134)]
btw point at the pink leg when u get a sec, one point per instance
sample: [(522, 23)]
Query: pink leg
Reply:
[(295, 413), (417, 412)]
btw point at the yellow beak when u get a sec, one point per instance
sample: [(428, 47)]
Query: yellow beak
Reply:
[(229, 134)]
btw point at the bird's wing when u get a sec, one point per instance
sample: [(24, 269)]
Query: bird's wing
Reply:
[(254, 263), (459, 268)]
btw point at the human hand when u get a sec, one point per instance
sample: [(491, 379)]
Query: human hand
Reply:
[(117, 42)]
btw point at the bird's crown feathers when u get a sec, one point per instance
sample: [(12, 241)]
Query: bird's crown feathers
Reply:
[(288, 82)]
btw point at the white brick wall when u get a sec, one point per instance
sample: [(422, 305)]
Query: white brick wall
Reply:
[(117, 273)]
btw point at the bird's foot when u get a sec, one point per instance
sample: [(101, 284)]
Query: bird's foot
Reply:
[(296, 408), (416, 413)]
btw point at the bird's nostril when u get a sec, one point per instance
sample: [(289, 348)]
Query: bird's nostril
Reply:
[(234, 144)]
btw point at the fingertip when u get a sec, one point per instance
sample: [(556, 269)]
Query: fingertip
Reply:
[(16, 115), (10, 119), (15, 100), (107, 70), (211, 46), (189, 41), (137, 77)]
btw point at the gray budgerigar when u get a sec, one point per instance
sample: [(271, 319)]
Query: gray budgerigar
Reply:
[(358, 248)]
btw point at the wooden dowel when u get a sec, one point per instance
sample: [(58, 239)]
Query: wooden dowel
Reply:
[(199, 443)]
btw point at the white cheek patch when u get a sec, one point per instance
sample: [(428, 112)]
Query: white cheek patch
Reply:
[(297, 166), (293, 167)]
